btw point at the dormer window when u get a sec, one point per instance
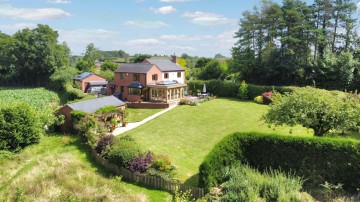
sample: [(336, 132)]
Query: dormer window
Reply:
[(166, 75)]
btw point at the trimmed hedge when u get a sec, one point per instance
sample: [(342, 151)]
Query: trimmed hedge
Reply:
[(230, 89), (316, 159)]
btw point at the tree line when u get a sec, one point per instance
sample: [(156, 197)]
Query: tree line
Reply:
[(30, 56), (298, 44)]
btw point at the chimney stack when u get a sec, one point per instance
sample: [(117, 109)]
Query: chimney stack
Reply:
[(174, 58)]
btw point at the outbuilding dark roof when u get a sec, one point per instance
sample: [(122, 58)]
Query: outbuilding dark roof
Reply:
[(134, 68), (91, 106), (165, 65), (82, 76)]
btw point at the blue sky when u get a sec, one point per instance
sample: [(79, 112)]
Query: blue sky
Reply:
[(195, 27)]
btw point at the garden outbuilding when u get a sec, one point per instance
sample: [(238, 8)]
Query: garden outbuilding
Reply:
[(88, 106)]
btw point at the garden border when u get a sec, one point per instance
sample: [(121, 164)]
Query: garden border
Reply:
[(147, 180)]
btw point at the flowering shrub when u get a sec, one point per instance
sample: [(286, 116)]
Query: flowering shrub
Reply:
[(103, 143), (162, 163), (141, 163), (267, 97), (259, 99)]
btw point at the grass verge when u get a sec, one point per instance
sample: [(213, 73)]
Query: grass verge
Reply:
[(60, 169)]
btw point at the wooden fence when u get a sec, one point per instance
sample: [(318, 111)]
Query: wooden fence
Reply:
[(147, 180)]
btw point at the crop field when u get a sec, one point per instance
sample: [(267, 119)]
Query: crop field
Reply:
[(42, 100), (39, 98)]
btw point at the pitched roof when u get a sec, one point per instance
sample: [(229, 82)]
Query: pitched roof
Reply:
[(165, 65), (97, 83), (91, 106), (82, 76), (134, 68)]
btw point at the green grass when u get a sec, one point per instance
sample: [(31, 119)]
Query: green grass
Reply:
[(136, 115), (187, 134), (60, 169)]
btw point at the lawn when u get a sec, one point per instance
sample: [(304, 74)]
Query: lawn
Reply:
[(187, 134), (60, 169), (136, 115)]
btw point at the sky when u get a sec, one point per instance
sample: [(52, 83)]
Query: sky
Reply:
[(196, 27)]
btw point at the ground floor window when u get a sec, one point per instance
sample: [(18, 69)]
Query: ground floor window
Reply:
[(134, 91)]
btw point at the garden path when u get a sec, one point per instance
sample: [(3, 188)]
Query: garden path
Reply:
[(131, 126)]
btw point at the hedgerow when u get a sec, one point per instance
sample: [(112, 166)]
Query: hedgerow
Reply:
[(315, 159), (230, 89)]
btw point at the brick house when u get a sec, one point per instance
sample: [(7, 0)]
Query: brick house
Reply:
[(152, 80), (88, 106), (88, 80)]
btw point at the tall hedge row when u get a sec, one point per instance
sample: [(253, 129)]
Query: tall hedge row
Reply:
[(316, 159), (230, 89)]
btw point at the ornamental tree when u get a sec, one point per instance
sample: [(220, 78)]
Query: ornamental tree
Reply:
[(317, 109)]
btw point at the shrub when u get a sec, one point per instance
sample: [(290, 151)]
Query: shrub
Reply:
[(156, 173), (141, 163), (243, 91), (163, 164), (317, 109), (267, 97), (103, 143), (20, 126), (259, 99), (183, 101), (123, 151), (242, 183), (194, 103), (91, 128), (183, 196), (315, 159)]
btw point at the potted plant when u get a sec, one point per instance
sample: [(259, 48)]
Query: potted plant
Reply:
[(125, 122)]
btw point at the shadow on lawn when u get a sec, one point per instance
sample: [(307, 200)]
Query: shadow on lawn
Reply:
[(193, 180)]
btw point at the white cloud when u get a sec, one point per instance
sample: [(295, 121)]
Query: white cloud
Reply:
[(183, 48), (145, 24), (207, 19), (78, 39), (173, 1), (164, 9), (16, 27), (183, 37), (32, 13), (143, 42), (59, 1)]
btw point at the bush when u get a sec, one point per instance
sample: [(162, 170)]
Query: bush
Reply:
[(183, 101), (242, 183), (194, 103), (89, 127), (141, 163), (267, 97), (243, 91), (123, 151), (315, 159), (103, 143), (20, 126), (259, 99)]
